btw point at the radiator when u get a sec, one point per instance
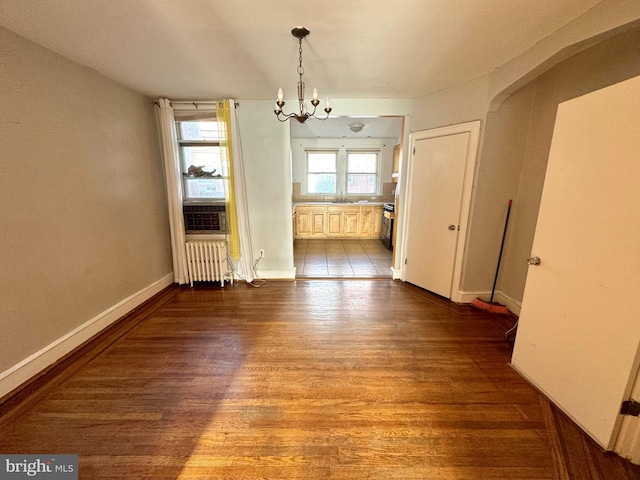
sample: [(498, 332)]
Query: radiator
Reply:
[(207, 261)]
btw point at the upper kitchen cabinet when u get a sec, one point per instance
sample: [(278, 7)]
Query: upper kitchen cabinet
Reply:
[(396, 163)]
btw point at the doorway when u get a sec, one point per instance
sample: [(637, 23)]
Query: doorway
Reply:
[(329, 253)]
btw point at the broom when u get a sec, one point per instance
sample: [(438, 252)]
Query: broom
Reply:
[(490, 306)]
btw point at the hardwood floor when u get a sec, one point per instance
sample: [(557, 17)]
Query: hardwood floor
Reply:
[(346, 379)]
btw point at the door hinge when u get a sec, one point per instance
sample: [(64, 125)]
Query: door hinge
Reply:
[(414, 150), (630, 407)]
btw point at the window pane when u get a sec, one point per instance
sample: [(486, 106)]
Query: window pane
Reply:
[(207, 157), (203, 170), (321, 162), (204, 188), (212, 131), (361, 183), (321, 183), (362, 162)]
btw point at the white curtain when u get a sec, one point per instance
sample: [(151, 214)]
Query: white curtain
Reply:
[(174, 189), (245, 266)]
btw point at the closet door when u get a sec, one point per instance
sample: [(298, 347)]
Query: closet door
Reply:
[(579, 328), (440, 176)]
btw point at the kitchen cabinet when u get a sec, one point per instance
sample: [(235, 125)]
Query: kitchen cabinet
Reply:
[(309, 221), (337, 221), (334, 222), (396, 163), (351, 222), (376, 221), (366, 214), (342, 221), (370, 223)]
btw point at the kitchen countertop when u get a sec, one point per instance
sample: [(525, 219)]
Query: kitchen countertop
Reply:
[(339, 203)]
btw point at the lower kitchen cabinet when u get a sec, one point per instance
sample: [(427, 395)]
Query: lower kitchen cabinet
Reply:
[(376, 221), (351, 222), (334, 222), (337, 221), (309, 221)]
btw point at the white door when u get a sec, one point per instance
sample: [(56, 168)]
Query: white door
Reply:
[(579, 328), (439, 180)]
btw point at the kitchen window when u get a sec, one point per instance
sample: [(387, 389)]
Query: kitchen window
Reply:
[(322, 168), (362, 173), (343, 171)]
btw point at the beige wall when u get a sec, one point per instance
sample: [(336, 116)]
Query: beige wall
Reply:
[(83, 222), (611, 61), (497, 178), (268, 181), (516, 104)]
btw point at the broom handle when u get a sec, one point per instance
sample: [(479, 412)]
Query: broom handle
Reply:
[(504, 235)]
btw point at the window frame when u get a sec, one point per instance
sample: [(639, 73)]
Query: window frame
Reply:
[(376, 173), (342, 168), (334, 173), (185, 143)]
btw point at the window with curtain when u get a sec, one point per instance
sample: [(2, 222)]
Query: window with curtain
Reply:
[(205, 135)]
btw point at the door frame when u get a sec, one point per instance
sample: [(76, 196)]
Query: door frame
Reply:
[(473, 129)]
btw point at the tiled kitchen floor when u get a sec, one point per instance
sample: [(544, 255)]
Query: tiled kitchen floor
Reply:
[(337, 258)]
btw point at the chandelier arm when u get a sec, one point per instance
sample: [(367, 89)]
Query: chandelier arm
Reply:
[(285, 115), (326, 116), (313, 113)]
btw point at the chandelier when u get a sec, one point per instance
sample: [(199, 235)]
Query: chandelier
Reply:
[(300, 33)]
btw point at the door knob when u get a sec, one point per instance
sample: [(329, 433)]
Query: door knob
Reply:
[(534, 261), (452, 227)]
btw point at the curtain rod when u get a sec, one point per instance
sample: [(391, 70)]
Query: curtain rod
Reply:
[(195, 103)]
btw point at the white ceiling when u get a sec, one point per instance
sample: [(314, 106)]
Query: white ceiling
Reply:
[(378, 127), (196, 49)]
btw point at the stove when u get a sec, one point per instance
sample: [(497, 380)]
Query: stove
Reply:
[(388, 217)]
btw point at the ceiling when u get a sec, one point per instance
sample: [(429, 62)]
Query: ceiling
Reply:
[(378, 127), (243, 49)]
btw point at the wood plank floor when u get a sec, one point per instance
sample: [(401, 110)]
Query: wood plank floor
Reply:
[(346, 379)]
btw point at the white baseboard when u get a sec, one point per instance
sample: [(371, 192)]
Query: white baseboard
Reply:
[(468, 297), (288, 274), (513, 305), (29, 367)]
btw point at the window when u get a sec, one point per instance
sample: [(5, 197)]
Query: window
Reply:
[(322, 172), (201, 159), (343, 171), (362, 173)]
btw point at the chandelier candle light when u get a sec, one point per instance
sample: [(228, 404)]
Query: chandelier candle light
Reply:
[(300, 33)]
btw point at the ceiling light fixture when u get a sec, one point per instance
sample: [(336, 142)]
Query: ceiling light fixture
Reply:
[(356, 127), (300, 33)]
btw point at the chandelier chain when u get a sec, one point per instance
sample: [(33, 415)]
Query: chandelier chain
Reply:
[(300, 67)]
